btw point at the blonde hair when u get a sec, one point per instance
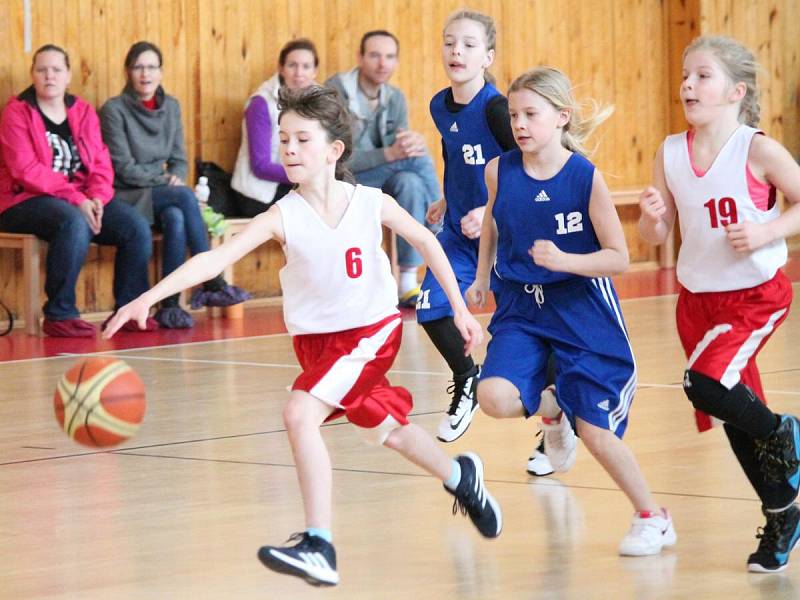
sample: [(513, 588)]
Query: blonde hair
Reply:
[(489, 30), (555, 87), (740, 65)]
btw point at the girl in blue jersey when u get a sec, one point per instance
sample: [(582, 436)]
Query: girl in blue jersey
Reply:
[(472, 117), (552, 227)]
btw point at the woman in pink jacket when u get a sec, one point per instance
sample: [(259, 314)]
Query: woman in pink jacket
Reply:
[(56, 183)]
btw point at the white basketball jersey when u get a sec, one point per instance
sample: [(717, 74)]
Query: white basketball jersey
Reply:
[(335, 278), (706, 205)]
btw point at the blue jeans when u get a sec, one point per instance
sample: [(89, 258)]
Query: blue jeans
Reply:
[(177, 215), (64, 227), (413, 183)]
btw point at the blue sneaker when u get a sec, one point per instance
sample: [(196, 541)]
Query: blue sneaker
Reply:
[(778, 537), (173, 317), (779, 454), (227, 296)]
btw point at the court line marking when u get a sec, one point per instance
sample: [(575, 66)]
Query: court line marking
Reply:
[(235, 363), (542, 483), (61, 355)]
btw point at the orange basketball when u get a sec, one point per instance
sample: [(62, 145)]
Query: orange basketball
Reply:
[(100, 402)]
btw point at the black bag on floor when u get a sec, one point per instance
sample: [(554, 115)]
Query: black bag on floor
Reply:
[(6, 319), (223, 196)]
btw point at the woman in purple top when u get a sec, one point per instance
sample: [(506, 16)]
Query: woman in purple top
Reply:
[(258, 175)]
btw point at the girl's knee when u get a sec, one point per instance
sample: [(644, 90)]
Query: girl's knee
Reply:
[(593, 437), (494, 398), (293, 416)]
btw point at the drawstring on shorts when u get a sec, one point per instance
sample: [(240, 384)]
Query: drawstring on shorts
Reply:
[(538, 292)]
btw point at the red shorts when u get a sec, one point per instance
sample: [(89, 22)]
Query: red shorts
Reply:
[(722, 332), (347, 370)]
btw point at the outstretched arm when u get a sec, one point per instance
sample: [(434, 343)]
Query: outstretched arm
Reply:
[(397, 219), (201, 267)]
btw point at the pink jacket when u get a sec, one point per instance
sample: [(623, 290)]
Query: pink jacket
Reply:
[(26, 158)]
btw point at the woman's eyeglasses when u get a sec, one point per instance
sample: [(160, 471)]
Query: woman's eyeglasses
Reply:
[(145, 68)]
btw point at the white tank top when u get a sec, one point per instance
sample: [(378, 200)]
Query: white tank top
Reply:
[(335, 278), (706, 261)]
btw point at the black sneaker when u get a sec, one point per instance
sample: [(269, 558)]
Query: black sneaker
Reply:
[(462, 408), (778, 537), (474, 500), (779, 454), (312, 559)]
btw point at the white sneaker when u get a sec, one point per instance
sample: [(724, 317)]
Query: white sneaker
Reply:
[(462, 408), (538, 463), (648, 534), (560, 443)]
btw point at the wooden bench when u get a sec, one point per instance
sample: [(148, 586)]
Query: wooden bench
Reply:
[(31, 254), (33, 250)]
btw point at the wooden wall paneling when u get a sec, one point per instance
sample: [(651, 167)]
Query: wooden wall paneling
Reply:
[(7, 50), (192, 70), (683, 19), (790, 47), (341, 41), (625, 149)]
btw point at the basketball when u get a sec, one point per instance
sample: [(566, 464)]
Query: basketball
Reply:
[(100, 402)]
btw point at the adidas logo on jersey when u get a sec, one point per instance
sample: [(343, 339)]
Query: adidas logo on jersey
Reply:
[(454, 127), (603, 405), (542, 197)]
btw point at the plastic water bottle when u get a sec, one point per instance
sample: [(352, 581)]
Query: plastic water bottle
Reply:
[(202, 191)]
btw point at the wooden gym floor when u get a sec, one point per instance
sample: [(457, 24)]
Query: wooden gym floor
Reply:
[(180, 510)]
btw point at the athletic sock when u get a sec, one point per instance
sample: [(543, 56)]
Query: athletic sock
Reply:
[(455, 477), (325, 534)]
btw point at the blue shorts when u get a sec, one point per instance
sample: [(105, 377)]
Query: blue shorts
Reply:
[(580, 322), (432, 303)]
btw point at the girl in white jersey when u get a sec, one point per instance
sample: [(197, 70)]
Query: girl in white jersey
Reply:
[(721, 177), (331, 234)]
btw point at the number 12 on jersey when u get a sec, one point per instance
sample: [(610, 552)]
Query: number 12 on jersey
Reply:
[(722, 213)]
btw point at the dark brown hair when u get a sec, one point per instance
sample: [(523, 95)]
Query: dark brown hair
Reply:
[(326, 106), (50, 48), (140, 48), (298, 44), (376, 32)]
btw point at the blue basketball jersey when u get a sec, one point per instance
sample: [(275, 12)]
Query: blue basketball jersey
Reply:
[(528, 209), (468, 146)]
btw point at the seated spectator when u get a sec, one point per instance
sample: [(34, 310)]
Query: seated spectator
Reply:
[(386, 153), (56, 183), (142, 128), (258, 175)]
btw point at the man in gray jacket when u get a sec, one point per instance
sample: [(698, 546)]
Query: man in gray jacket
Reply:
[(386, 153)]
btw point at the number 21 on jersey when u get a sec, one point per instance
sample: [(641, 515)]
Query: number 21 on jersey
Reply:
[(473, 155)]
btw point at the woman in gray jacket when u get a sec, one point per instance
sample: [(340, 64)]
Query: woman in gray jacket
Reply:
[(143, 131)]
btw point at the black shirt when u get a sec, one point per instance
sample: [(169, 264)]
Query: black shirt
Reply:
[(66, 159)]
